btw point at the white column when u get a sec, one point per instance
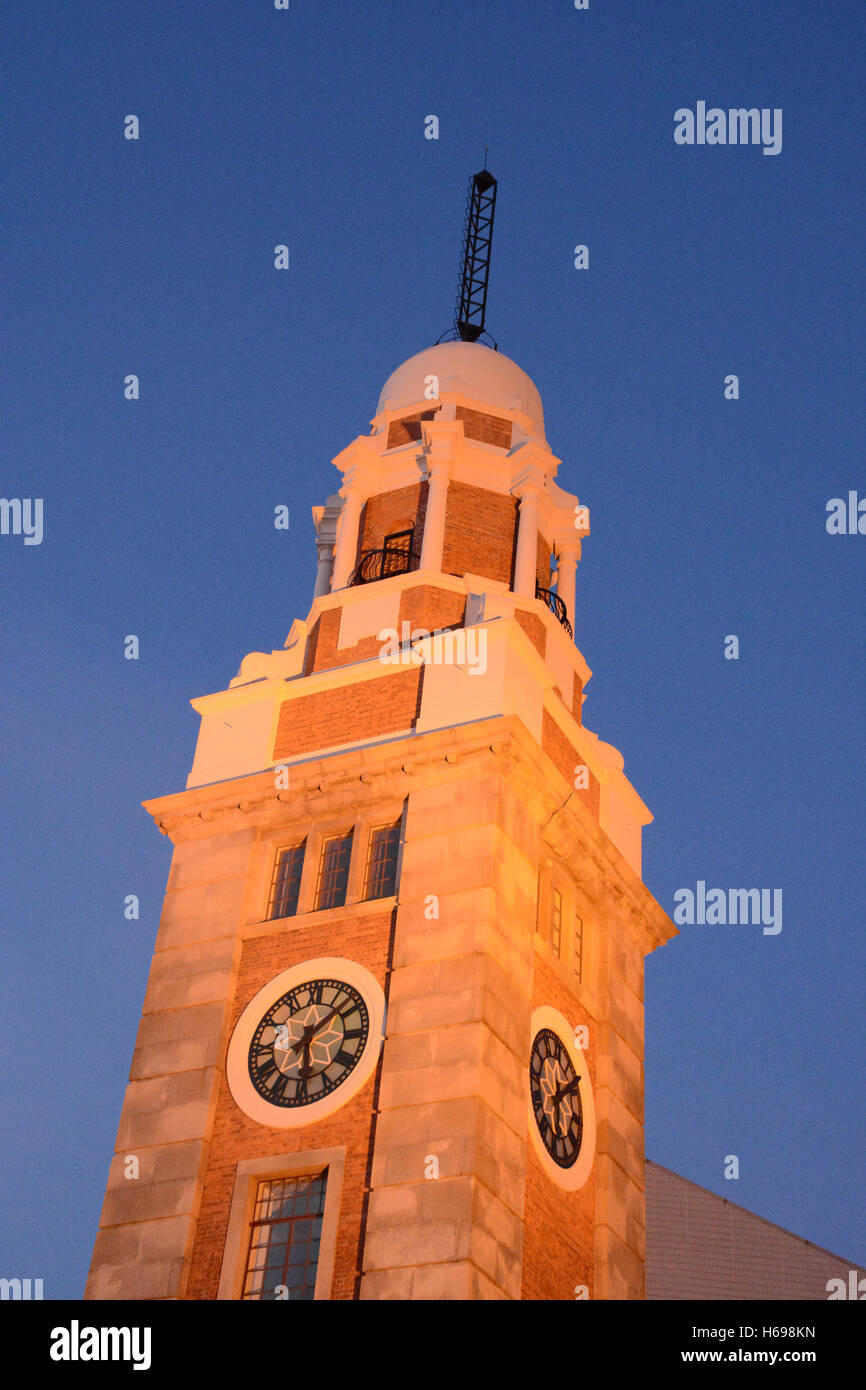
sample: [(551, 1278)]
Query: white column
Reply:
[(565, 583), (325, 569), (347, 542), (433, 543), (326, 520), (527, 542)]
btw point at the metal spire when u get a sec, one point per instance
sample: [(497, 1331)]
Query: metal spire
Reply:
[(477, 242), (471, 308)]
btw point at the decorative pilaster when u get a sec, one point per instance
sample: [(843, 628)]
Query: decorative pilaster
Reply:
[(360, 465), (347, 542), (440, 456), (326, 520), (441, 438), (527, 540), (565, 586), (433, 544)]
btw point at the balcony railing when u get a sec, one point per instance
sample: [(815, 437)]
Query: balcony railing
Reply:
[(556, 606), (381, 564)]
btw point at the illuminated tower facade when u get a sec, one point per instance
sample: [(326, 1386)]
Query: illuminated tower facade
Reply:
[(392, 1042)]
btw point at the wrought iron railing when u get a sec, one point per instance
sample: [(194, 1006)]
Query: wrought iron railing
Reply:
[(381, 564), (556, 606)]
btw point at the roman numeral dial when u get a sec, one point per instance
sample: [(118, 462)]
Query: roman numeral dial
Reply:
[(308, 1042), (554, 1089)]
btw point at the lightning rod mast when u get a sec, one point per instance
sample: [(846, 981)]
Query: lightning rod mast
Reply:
[(471, 308)]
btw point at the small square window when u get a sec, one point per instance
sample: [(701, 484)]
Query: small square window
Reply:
[(334, 872), (382, 862), (286, 882), (556, 922)]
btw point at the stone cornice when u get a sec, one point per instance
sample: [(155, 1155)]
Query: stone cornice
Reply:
[(360, 465), (441, 439), (323, 785), (380, 423), (370, 469), (531, 468), (316, 785)]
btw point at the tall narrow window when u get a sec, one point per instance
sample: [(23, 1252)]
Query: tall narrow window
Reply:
[(287, 881), (284, 1238), (556, 922), (577, 947), (382, 862), (397, 553), (334, 871)]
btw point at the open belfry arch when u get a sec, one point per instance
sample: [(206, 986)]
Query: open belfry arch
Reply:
[(392, 1040)]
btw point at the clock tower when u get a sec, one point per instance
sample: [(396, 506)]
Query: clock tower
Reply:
[(392, 1040)]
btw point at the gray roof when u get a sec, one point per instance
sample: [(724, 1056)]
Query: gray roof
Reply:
[(700, 1245)]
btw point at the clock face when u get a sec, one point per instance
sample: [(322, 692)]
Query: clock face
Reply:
[(308, 1042), (554, 1087), (559, 1100)]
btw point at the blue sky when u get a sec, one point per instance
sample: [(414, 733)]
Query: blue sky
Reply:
[(155, 257)]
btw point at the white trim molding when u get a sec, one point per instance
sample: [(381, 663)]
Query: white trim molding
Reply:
[(243, 1091), (249, 1173)]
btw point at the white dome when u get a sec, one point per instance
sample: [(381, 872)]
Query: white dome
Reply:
[(470, 369)]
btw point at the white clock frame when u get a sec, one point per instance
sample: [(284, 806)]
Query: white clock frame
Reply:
[(244, 1092)]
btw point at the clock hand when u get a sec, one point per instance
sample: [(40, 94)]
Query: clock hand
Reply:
[(300, 1043), (307, 1040), (316, 1027), (310, 1032), (305, 1069), (564, 1091)]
